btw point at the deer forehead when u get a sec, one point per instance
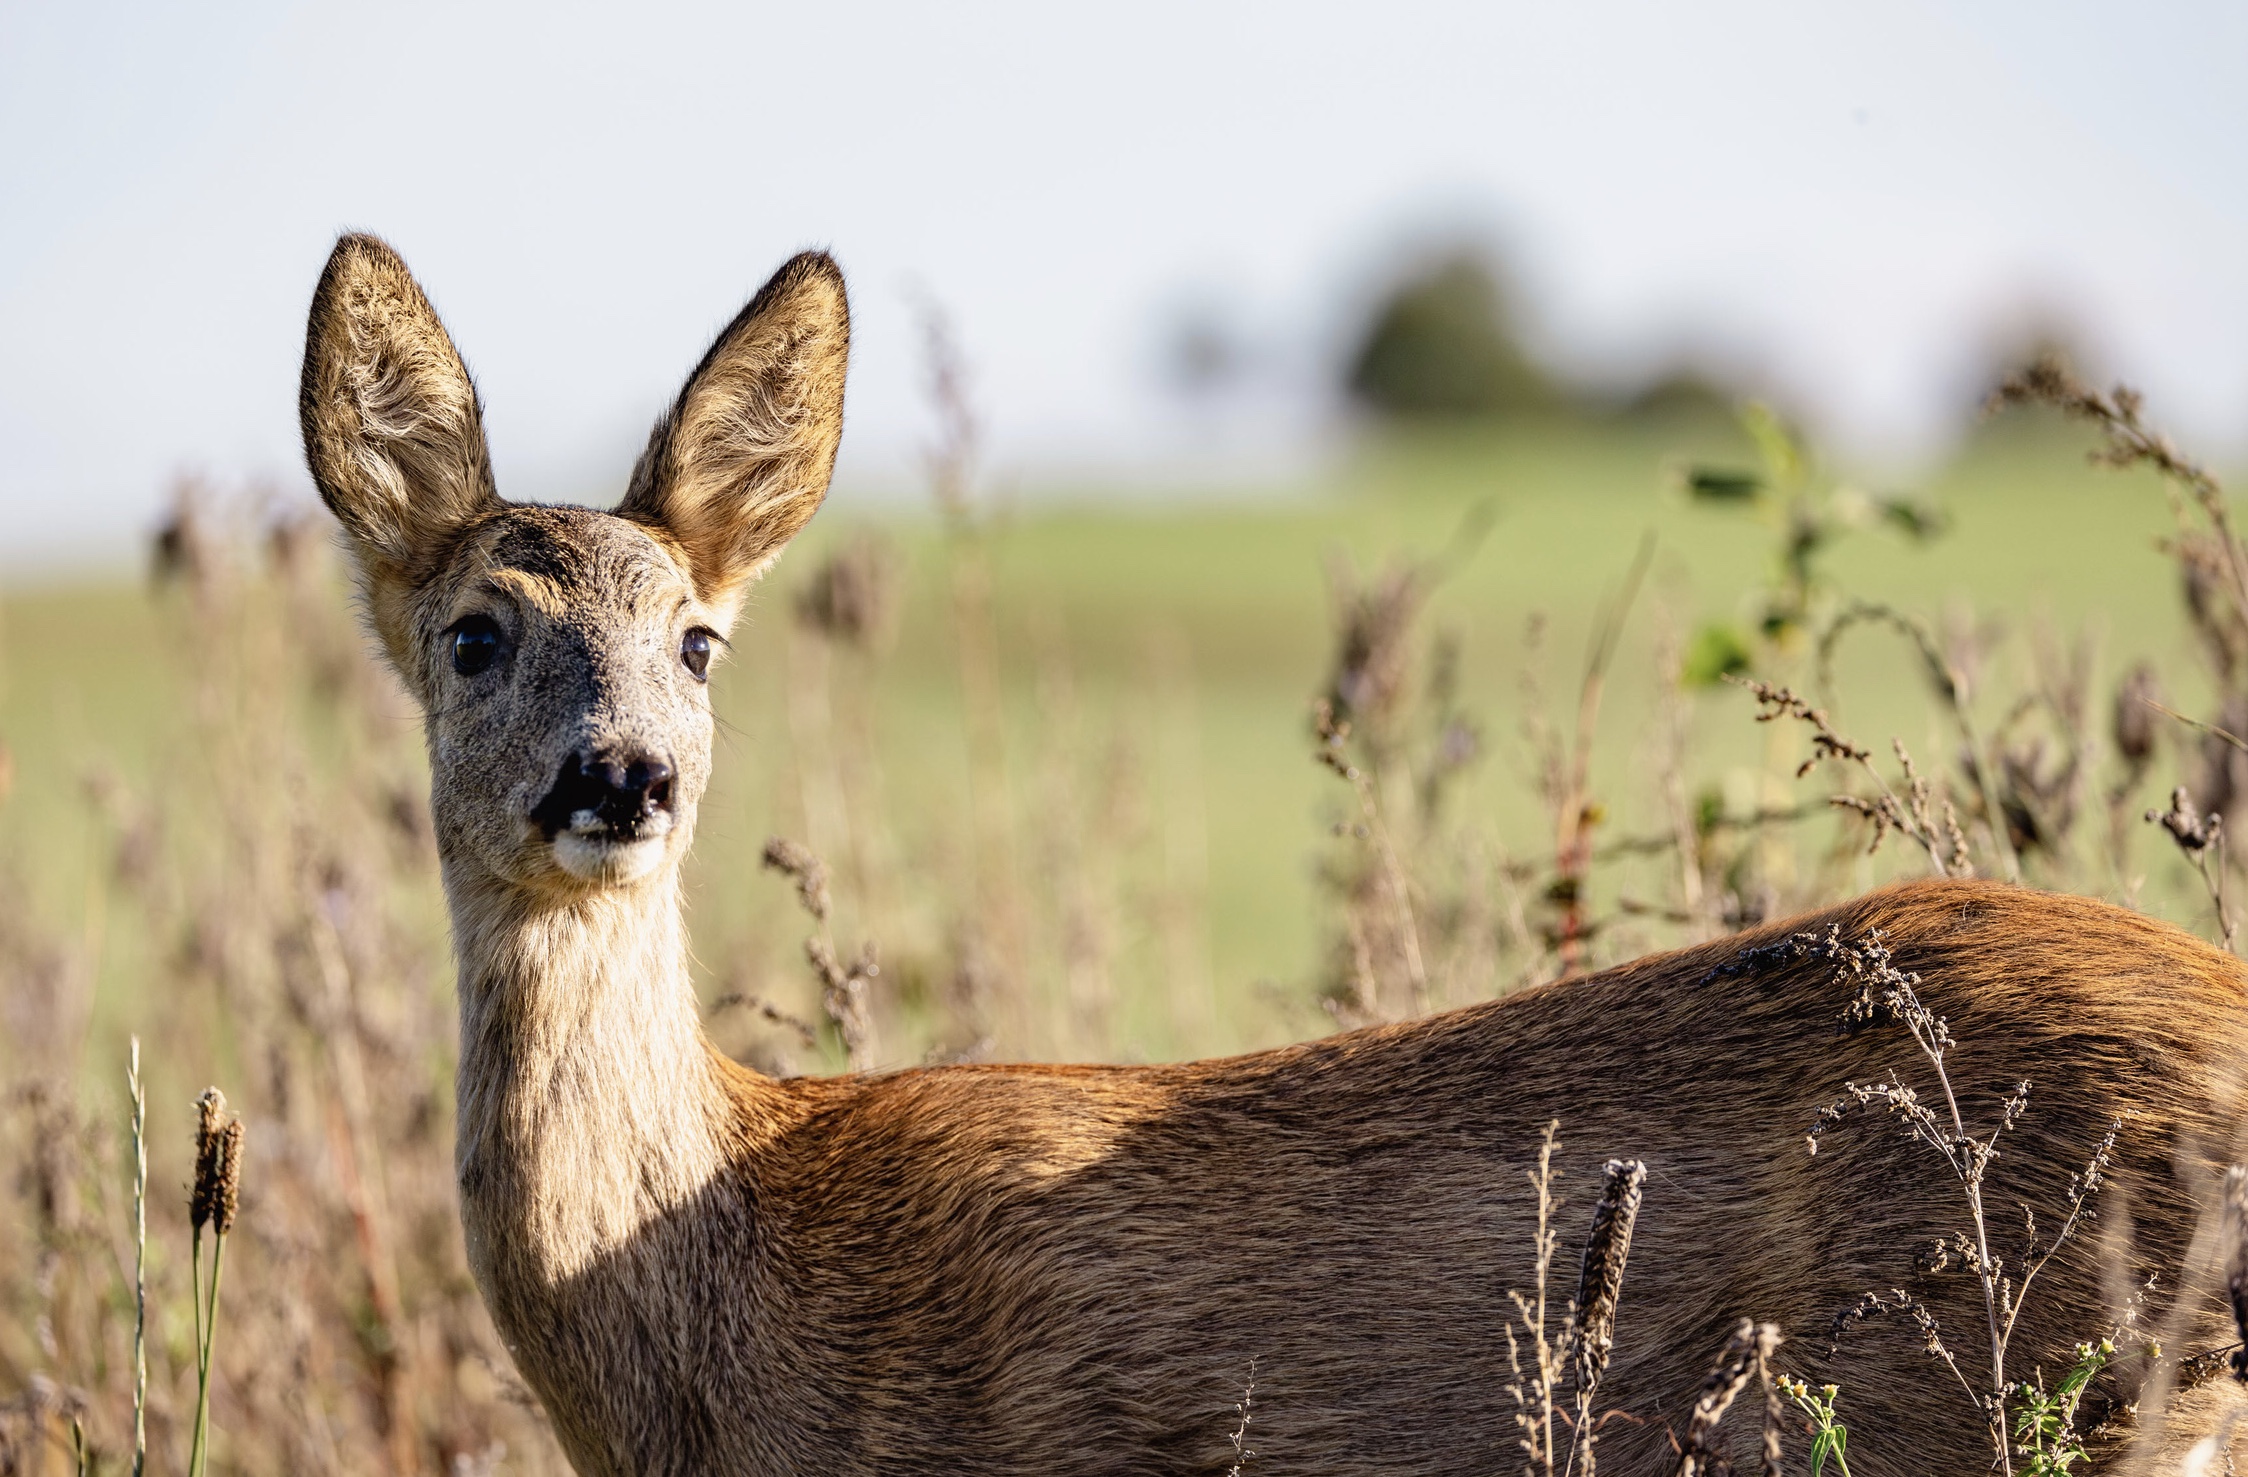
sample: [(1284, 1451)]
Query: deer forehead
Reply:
[(568, 566)]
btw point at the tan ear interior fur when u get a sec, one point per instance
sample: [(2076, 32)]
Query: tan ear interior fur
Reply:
[(392, 427), (742, 460)]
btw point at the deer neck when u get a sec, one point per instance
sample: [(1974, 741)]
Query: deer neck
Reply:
[(589, 1103)]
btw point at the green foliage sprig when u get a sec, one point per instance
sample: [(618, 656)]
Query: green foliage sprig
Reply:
[(2045, 1423), (1830, 1438)]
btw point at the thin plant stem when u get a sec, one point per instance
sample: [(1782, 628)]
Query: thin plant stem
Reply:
[(199, 1454), (1400, 890), (1989, 1279), (140, 1259), (1572, 820), (195, 1277), (1969, 1156), (218, 1177), (2202, 839), (1534, 1407), (1886, 990), (1953, 686), (1396, 881)]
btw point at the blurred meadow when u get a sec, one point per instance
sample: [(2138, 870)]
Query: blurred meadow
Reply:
[(1150, 678)]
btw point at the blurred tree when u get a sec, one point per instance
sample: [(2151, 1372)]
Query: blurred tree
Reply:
[(1685, 392), (1443, 344)]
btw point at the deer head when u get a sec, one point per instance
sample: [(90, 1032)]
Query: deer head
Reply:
[(561, 655)]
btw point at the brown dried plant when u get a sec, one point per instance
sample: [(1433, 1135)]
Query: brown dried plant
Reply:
[(1914, 815), (843, 989), (1951, 686), (1882, 993), (1599, 1290), (852, 595), (2201, 838), (1242, 1455), (1569, 1348), (1546, 1331), (1382, 898), (213, 1201), (2211, 558), (1568, 776), (1748, 1353)]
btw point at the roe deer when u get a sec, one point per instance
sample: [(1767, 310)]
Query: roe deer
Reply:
[(1068, 1270)]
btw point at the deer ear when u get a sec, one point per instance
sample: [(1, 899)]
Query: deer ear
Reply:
[(392, 427), (741, 461)]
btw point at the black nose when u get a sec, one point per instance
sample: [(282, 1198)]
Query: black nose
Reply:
[(620, 792)]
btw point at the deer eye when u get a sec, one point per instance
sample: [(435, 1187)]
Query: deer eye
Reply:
[(694, 653), (476, 644)]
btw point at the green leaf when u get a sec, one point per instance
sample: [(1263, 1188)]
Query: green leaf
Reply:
[(1723, 484), (1716, 652), (1920, 522)]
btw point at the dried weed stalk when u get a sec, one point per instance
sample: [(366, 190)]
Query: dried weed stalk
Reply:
[(851, 597), (1950, 684), (1535, 1393), (1391, 882), (843, 988), (139, 1095), (1881, 993), (2201, 838), (1599, 1289), (214, 1199), (2127, 441), (1568, 779), (1748, 1353), (2211, 559), (1242, 1455), (1573, 1348), (1914, 815)]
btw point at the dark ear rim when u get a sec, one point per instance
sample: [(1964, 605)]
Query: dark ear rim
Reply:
[(642, 498), (356, 253)]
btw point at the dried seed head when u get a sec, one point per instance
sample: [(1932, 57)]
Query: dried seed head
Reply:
[(810, 873), (2232, 1242), (1607, 1249), (851, 596), (1333, 734), (230, 1176), (210, 1114), (1745, 1353), (54, 1157), (210, 1133), (186, 549), (2193, 831), (1368, 679), (2133, 722), (1775, 1413)]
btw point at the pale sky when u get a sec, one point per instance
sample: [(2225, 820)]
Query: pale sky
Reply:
[(1856, 199)]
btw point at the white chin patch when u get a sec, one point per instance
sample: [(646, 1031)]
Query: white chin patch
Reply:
[(590, 852)]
